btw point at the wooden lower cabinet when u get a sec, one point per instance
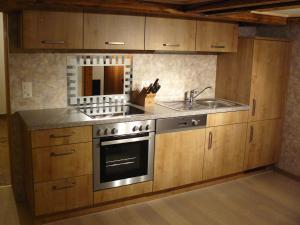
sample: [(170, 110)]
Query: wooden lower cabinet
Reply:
[(178, 158), (61, 195), (263, 143), (224, 150), (122, 192)]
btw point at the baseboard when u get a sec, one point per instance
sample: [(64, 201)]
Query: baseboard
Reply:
[(286, 173)]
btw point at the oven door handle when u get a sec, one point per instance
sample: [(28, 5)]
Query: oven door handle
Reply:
[(122, 141)]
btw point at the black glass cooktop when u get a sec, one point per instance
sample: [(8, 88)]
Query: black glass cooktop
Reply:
[(111, 111)]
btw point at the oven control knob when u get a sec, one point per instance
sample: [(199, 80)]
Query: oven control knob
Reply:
[(135, 128), (141, 128), (99, 132), (106, 131), (147, 127), (195, 122), (114, 131)]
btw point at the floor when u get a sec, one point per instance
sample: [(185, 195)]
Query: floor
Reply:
[(265, 199)]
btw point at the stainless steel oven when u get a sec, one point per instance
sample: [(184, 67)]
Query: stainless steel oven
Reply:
[(123, 153)]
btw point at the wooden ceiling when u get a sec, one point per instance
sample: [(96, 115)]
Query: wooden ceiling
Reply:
[(229, 10)]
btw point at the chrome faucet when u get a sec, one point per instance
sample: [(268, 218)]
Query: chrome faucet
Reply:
[(193, 94)]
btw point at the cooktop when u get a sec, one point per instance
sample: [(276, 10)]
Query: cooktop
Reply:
[(111, 111)]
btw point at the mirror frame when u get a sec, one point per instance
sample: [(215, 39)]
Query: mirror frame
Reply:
[(73, 62)]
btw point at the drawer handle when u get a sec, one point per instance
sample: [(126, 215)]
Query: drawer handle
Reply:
[(254, 107), (218, 46), (210, 140), (61, 136), (171, 45), (54, 154), (53, 42), (114, 43), (66, 186), (251, 134)]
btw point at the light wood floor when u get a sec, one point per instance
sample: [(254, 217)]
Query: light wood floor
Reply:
[(265, 199)]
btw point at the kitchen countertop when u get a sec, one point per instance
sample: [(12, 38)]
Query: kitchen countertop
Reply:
[(72, 117)]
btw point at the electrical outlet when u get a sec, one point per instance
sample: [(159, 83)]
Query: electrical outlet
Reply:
[(27, 89)]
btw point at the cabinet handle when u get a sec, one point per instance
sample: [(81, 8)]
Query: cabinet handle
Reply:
[(251, 134), (217, 46), (61, 136), (65, 186), (210, 140), (53, 42), (253, 107), (3, 140), (114, 43), (54, 154), (171, 45)]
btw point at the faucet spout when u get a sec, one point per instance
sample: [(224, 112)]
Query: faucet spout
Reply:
[(195, 93)]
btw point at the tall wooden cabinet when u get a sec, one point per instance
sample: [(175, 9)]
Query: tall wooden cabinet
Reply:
[(178, 158), (257, 75)]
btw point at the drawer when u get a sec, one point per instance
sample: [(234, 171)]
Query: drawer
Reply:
[(122, 192), (220, 119), (63, 136), (52, 163), (61, 195)]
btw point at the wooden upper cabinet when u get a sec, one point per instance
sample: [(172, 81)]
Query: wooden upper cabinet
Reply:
[(263, 143), (52, 30), (224, 150), (178, 158), (170, 34), (216, 37), (269, 79), (113, 31)]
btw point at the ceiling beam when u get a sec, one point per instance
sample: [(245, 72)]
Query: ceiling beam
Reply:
[(234, 6)]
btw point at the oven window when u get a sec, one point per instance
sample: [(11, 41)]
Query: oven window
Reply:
[(121, 161)]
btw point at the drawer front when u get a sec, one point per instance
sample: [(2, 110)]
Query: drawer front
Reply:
[(61, 195), (59, 162), (63, 136), (227, 118), (122, 192)]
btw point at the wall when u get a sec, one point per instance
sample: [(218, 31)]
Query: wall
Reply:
[(47, 72), (2, 70)]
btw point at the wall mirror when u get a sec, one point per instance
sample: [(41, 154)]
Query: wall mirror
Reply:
[(99, 79)]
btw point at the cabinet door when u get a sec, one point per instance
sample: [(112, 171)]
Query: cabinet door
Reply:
[(216, 37), (269, 79), (263, 143), (52, 30), (224, 150), (170, 34), (113, 31), (178, 158)]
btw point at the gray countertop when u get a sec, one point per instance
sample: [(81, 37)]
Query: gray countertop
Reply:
[(72, 117)]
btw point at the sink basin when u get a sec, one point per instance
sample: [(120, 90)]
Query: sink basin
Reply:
[(198, 104), (215, 103)]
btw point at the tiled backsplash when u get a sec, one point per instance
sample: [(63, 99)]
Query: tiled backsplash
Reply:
[(47, 72)]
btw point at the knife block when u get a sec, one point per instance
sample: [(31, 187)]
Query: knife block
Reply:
[(142, 98)]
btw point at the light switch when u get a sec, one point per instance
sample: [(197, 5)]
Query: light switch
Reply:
[(27, 89)]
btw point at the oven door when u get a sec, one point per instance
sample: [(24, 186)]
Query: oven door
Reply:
[(123, 160)]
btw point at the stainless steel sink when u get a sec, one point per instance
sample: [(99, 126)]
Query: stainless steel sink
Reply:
[(198, 104)]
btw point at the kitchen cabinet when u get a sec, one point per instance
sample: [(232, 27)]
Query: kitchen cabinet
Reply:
[(58, 169), (103, 31), (224, 150), (178, 158), (216, 37), (4, 152), (170, 34), (263, 143), (52, 30), (256, 75)]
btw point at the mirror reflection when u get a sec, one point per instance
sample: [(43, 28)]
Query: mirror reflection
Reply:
[(100, 80)]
